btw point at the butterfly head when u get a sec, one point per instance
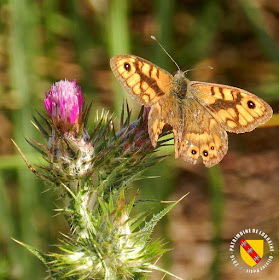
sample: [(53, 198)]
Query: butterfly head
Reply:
[(180, 84)]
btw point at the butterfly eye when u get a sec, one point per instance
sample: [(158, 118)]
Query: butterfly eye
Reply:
[(212, 147), (251, 104), (127, 66)]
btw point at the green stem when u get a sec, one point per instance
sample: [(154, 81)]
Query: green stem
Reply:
[(118, 41), (217, 209), (260, 29), (201, 36), (22, 48), (164, 9), (6, 217)]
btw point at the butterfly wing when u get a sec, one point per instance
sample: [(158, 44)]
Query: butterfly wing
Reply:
[(165, 111), (235, 109), (144, 81), (156, 122), (202, 135), (196, 132)]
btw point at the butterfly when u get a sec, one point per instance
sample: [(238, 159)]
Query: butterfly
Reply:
[(199, 113)]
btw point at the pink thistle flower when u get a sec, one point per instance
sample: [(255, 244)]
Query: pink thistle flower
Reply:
[(64, 104)]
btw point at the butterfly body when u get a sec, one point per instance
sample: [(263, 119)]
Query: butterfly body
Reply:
[(199, 113), (179, 85)]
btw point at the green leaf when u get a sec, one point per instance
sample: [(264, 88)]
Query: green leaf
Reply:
[(149, 226), (151, 266), (41, 256)]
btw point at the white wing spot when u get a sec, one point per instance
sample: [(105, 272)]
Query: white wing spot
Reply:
[(197, 114)]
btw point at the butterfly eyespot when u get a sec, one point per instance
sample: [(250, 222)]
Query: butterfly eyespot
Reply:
[(212, 147), (205, 153), (251, 104), (193, 152), (127, 66)]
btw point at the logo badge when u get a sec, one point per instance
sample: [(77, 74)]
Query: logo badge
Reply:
[(251, 251)]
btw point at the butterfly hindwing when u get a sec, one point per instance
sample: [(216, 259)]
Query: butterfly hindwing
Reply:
[(156, 122), (166, 111), (202, 136)]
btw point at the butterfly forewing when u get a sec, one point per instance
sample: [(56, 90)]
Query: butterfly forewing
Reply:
[(236, 110), (144, 81)]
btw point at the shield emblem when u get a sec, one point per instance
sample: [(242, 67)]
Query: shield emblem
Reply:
[(251, 251)]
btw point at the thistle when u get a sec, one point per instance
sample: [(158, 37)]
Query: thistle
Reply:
[(93, 170), (64, 105)]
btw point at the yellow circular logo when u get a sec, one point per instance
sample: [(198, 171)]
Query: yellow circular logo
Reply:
[(251, 250)]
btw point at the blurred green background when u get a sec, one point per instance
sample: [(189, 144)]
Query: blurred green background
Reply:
[(44, 41)]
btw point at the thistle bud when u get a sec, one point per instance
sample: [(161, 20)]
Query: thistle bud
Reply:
[(64, 104), (70, 152)]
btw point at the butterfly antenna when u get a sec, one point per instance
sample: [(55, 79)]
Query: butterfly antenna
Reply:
[(198, 68), (154, 38)]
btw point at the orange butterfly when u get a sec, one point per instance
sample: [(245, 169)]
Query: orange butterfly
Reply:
[(199, 113)]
